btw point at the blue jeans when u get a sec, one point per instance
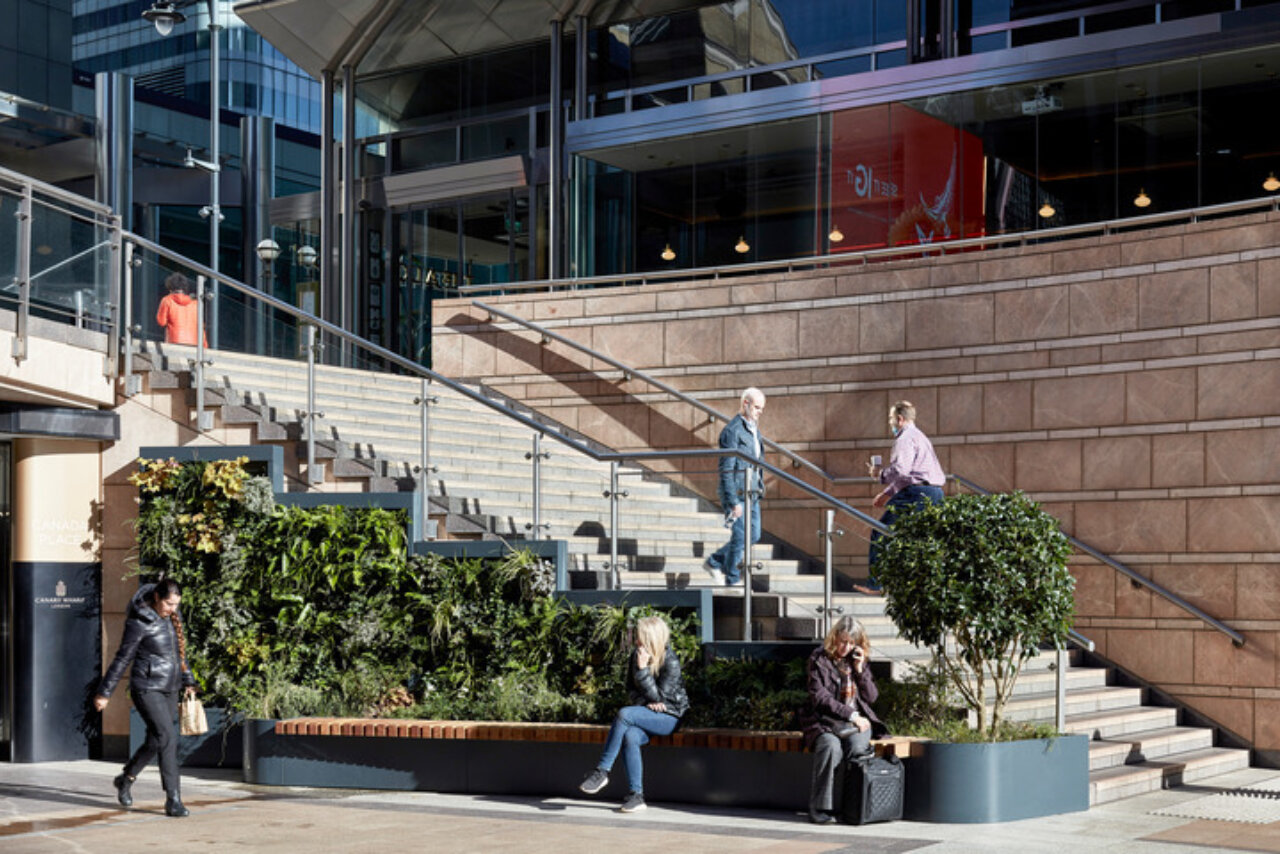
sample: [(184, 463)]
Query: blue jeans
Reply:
[(630, 731), (911, 496), (729, 556)]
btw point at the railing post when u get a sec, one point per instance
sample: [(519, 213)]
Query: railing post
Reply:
[(424, 469), (132, 383), (112, 366), (828, 534), (613, 494), (204, 420), (23, 275), (537, 456), (747, 499), (1060, 689), (314, 475)]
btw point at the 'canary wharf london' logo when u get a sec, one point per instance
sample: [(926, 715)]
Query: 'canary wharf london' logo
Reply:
[(60, 599)]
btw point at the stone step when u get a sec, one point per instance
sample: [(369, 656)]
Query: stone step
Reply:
[(1178, 769), (1042, 706), (1117, 723), (1147, 745)]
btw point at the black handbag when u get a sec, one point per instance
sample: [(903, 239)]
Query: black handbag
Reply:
[(839, 727)]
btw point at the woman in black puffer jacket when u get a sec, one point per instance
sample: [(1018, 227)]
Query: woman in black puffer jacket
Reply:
[(658, 701), (154, 644)]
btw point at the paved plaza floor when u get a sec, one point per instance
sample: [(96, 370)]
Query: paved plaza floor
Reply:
[(70, 807)]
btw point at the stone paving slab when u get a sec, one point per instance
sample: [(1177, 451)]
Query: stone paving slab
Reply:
[(70, 806)]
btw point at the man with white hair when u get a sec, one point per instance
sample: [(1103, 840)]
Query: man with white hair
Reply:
[(736, 477)]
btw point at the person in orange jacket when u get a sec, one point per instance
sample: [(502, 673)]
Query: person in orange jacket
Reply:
[(178, 312)]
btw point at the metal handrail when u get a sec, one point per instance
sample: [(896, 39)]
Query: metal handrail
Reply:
[(711, 412), (1236, 637), (1137, 579), (786, 265), (526, 421), (303, 317)]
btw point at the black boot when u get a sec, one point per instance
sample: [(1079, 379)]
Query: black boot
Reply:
[(123, 783), (173, 806)]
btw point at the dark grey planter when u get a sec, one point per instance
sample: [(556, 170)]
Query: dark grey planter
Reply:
[(220, 747), (1003, 781), (720, 777)]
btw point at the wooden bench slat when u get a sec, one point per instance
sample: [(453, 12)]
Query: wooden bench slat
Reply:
[(565, 733)]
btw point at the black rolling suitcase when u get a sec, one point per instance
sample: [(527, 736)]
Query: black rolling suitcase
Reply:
[(873, 790)]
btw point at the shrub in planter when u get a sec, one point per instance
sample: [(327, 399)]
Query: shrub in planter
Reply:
[(988, 572)]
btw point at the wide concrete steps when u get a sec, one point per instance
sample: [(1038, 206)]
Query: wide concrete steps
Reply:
[(483, 484), (1178, 769)]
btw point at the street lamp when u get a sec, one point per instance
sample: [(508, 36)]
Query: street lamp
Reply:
[(268, 251), (165, 15)]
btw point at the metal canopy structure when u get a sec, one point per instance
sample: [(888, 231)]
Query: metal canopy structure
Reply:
[(376, 36)]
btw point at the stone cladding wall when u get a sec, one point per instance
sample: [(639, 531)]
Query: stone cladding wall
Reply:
[(1128, 382)]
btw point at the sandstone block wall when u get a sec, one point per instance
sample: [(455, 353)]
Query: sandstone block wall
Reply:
[(1130, 383)]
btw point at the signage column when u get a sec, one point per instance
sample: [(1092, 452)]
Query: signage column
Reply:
[(56, 603)]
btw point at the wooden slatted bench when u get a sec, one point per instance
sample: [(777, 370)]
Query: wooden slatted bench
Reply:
[(563, 733), (722, 767)]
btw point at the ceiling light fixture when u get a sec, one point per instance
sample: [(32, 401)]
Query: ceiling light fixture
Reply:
[(1047, 210), (1142, 200), (742, 247), (1272, 183), (836, 234), (668, 254)]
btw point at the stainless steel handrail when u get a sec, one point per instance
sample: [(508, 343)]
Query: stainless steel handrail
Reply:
[(711, 412), (1137, 579), (864, 257), (1236, 637)]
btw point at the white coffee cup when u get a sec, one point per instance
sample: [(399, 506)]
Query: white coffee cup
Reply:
[(876, 460)]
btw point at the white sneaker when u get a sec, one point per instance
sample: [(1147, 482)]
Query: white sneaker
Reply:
[(717, 577)]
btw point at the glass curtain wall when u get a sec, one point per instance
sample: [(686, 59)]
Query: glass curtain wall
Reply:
[(1017, 157)]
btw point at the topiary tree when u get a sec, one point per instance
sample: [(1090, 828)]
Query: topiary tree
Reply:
[(988, 572)]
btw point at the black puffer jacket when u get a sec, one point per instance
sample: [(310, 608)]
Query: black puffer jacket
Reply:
[(667, 688), (151, 644)]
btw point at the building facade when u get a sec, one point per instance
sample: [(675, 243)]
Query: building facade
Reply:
[(692, 135)]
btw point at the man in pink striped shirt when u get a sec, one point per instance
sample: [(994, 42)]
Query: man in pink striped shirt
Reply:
[(914, 476)]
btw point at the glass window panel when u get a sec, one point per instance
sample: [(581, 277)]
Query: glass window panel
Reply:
[(424, 150), (1157, 136), (1239, 150), (495, 139), (841, 67)]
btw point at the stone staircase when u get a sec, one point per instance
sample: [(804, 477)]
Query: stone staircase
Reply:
[(482, 487)]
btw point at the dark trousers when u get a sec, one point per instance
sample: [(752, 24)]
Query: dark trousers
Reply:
[(158, 710), (915, 494), (829, 755)]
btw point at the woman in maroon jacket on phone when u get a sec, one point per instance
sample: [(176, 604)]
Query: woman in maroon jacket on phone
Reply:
[(837, 719)]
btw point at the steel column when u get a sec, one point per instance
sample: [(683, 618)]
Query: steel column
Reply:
[(328, 197), (555, 177)]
